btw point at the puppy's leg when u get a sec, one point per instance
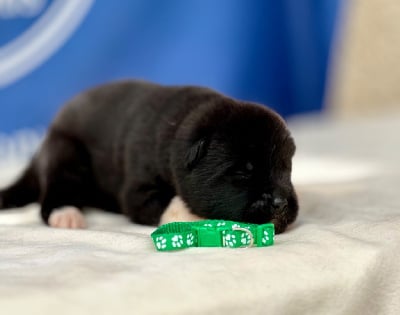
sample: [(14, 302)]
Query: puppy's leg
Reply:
[(66, 181), (62, 204), (145, 203)]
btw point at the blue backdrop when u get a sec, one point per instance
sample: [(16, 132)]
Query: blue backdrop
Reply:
[(274, 52)]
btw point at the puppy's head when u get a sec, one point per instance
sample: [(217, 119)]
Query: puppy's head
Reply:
[(233, 161)]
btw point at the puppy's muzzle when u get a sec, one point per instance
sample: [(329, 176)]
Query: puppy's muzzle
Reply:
[(276, 201), (270, 207), (279, 203)]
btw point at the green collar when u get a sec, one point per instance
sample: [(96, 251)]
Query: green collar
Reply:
[(212, 233)]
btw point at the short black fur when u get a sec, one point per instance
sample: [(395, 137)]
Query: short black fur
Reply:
[(131, 146)]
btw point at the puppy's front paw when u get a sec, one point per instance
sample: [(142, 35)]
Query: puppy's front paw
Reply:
[(67, 218)]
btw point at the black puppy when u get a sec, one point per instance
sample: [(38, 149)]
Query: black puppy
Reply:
[(132, 146)]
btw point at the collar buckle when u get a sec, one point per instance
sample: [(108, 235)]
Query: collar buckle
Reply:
[(209, 236), (224, 237), (245, 242)]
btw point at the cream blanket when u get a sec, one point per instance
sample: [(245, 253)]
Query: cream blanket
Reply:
[(341, 256)]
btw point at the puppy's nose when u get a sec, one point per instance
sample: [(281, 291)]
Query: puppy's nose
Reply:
[(279, 202)]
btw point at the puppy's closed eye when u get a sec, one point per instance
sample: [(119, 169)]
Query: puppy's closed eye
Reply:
[(241, 173), (195, 153)]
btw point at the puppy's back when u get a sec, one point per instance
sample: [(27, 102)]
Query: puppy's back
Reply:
[(128, 119)]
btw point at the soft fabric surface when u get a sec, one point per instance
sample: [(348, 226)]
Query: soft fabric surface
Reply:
[(341, 256)]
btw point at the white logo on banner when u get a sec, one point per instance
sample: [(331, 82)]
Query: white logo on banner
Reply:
[(20, 8), (42, 39)]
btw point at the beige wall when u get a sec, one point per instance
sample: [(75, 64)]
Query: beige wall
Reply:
[(365, 68)]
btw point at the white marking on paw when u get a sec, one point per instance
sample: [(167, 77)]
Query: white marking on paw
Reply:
[(178, 211), (67, 218)]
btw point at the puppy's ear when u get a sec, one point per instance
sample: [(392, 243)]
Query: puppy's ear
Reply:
[(196, 152)]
